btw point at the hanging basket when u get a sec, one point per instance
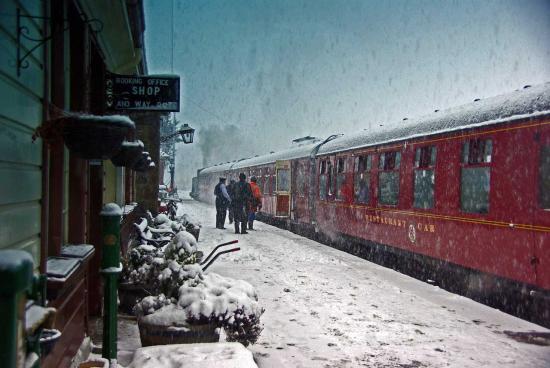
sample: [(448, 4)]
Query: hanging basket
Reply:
[(145, 163), (95, 137), (130, 153)]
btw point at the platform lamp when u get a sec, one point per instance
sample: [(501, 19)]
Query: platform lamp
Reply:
[(186, 133)]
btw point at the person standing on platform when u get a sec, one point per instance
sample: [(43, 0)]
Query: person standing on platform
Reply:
[(242, 196), (222, 202), (255, 203), (230, 187)]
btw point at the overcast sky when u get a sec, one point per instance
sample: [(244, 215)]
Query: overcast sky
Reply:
[(257, 74)]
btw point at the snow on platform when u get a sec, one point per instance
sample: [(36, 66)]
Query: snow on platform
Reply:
[(327, 308), (207, 355)]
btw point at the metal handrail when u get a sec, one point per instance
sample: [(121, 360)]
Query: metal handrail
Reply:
[(219, 254), (215, 249)]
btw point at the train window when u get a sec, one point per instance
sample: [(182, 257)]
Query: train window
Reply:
[(266, 184), (388, 178), (361, 184), (340, 177), (477, 151), (475, 181), (424, 177), (301, 180), (283, 180), (390, 160), (330, 176), (544, 177), (323, 167), (323, 179)]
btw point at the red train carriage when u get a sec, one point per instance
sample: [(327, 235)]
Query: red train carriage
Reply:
[(461, 197)]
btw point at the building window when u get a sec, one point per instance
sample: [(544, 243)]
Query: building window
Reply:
[(544, 177), (340, 176), (361, 179), (424, 177), (476, 175), (388, 178)]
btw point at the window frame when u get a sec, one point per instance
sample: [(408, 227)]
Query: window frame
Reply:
[(388, 164), (324, 165), (367, 171), (340, 169), (468, 164), (420, 164)]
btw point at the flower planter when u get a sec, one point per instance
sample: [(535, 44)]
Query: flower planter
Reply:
[(95, 137), (130, 153), (129, 294), (95, 363), (48, 340), (151, 334)]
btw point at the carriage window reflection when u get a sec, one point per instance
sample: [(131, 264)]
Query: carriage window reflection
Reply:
[(388, 178), (301, 181), (475, 180), (340, 177), (424, 177), (323, 180), (361, 179), (283, 180)]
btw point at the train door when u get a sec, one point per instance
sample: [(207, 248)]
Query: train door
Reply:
[(300, 191), (541, 261), (282, 188)]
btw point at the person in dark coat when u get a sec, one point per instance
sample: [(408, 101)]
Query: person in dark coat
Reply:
[(242, 196), (222, 202), (230, 191)]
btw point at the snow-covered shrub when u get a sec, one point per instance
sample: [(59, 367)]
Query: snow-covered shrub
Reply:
[(182, 248), (150, 304), (231, 304), (143, 264), (174, 275), (202, 299)]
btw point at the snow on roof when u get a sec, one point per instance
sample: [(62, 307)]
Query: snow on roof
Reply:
[(524, 103), (288, 154), (527, 102)]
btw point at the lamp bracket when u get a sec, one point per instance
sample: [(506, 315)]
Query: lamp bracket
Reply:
[(23, 32)]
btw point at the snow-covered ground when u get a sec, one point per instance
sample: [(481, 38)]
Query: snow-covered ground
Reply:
[(327, 308)]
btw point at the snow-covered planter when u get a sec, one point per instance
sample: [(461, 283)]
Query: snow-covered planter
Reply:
[(149, 270), (88, 136), (205, 300), (183, 249), (168, 325), (129, 154)]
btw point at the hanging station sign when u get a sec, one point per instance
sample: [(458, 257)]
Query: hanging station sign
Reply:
[(142, 93)]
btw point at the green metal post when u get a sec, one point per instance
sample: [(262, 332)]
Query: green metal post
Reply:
[(16, 267), (110, 269)]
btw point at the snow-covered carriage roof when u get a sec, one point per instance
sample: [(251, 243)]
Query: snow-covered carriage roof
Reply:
[(527, 102), (288, 154)]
